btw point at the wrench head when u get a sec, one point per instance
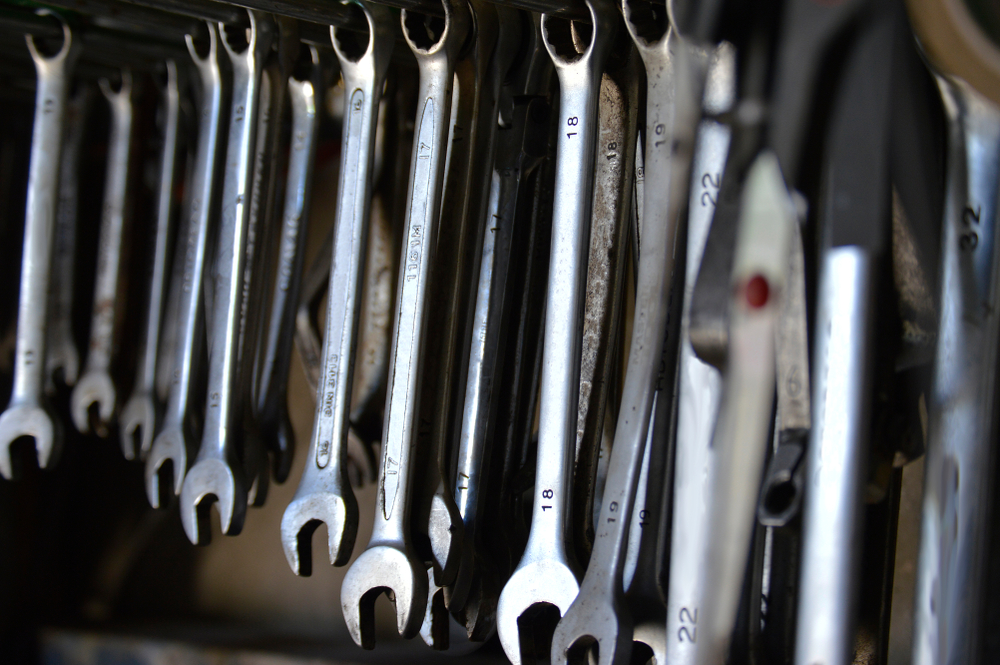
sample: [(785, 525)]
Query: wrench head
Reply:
[(62, 361), (170, 445), (649, 640), (594, 621), (383, 569), (337, 509), (212, 479), (35, 421), (139, 415), (540, 581), (93, 388), (445, 530)]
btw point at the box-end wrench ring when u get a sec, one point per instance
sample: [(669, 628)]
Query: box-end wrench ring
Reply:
[(390, 562), (28, 413), (140, 412), (218, 469), (324, 494), (96, 385), (545, 574), (175, 440)]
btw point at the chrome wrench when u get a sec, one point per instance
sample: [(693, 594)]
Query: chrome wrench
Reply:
[(324, 493), (218, 469), (175, 441), (390, 562), (600, 613), (96, 385), (545, 574), (61, 353), (28, 413), (699, 383), (141, 410)]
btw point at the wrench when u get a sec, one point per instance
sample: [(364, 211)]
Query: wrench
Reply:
[(763, 238), (61, 352), (599, 613), (545, 574), (858, 234), (96, 385), (218, 471), (699, 384), (961, 427), (390, 562), (28, 413), (609, 242), (175, 440), (140, 412), (324, 493)]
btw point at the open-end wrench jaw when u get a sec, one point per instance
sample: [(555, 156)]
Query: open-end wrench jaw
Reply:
[(545, 574), (139, 416), (324, 495), (221, 481), (28, 414), (391, 564), (93, 389)]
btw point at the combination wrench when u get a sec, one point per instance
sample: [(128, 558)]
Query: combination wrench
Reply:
[(961, 410), (96, 385), (600, 613), (324, 494), (141, 411), (545, 573), (390, 563), (218, 470), (61, 353), (28, 412), (699, 383), (175, 441)]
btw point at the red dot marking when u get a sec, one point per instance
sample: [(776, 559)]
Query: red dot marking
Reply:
[(757, 291)]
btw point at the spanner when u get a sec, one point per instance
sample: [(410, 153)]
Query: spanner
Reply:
[(740, 439), (545, 573), (609, 244), (218, 471), (140, 412), (961, 422), (857, 235), (28, 413), (699, 384), (96, 385), (390, 563), (324, 493), (175, 441), (599, 613), (61, 354)]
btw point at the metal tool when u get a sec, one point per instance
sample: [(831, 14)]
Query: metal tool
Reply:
[(599, 613), (961, 420), (324, 493), (141, 411), (62, 358), (96, 387), (545, 573), (745, 414), (699, 384), (28, 413), (857, 232), (390, 562), (609, 244), (175, 441), (218, 470)]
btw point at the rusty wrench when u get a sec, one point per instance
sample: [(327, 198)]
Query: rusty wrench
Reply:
[(141, 411), (390, 562), (28, 413), (218, 470), (96, 384), (324, 493)]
